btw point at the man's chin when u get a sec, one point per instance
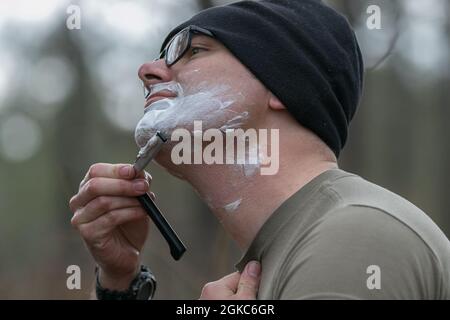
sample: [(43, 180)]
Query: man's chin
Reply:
[(142, 135)]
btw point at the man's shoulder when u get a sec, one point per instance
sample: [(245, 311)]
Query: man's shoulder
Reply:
[(369, 205), (347, 243), (352, 189), (347, 224), (359, 221), (345, 189)]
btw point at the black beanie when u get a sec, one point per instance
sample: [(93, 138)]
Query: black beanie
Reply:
[(303, 51)]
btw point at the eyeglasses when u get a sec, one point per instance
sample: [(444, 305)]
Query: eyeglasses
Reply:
[(177, 47), (180, 43)]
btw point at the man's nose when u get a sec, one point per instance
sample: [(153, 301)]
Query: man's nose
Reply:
[(154, 72)]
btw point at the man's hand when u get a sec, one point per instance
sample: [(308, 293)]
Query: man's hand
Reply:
[(111, 220), (235, 286)]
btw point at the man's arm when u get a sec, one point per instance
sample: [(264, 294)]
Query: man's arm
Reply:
[(114, 228), (111, 221)]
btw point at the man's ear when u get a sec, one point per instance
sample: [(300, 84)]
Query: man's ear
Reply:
[(275, 103)]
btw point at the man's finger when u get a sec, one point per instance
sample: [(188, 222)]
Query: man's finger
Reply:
[(230, 281), (221, 289), (249, 282), (101, 205), (96, 187), (93, 231), (115, 171)]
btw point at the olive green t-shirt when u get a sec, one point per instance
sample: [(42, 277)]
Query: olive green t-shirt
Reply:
[(342, 237)]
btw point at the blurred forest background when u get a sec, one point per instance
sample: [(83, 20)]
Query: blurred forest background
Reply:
[(70, 98)]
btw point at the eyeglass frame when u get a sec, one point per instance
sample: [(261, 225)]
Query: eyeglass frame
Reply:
[(192, 29)]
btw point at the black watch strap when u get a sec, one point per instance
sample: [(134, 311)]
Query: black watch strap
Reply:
[(142, 287)]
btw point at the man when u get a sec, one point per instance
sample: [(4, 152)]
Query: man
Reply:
[(310, 231)]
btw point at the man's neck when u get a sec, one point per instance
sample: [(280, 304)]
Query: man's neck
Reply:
[(243, 203)]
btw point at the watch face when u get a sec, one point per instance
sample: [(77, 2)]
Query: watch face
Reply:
[(146, 291)]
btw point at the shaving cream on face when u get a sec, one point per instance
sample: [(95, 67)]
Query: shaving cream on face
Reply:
[(208, 103), (231, 207), (213, 104), (235, 122)]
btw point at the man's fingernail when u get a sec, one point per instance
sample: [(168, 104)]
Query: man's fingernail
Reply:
[(140, 186), (124, 171), (254, 269)]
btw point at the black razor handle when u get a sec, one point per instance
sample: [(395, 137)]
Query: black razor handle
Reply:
[(177, 247)]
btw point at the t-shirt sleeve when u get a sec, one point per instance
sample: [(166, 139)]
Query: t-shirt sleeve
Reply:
[(359, 252)]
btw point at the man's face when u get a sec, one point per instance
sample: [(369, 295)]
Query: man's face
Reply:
[(207, 84)]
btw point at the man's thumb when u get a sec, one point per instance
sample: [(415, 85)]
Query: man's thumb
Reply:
[(249, 281)]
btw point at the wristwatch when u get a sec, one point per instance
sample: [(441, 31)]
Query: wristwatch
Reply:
[(142, 287)]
